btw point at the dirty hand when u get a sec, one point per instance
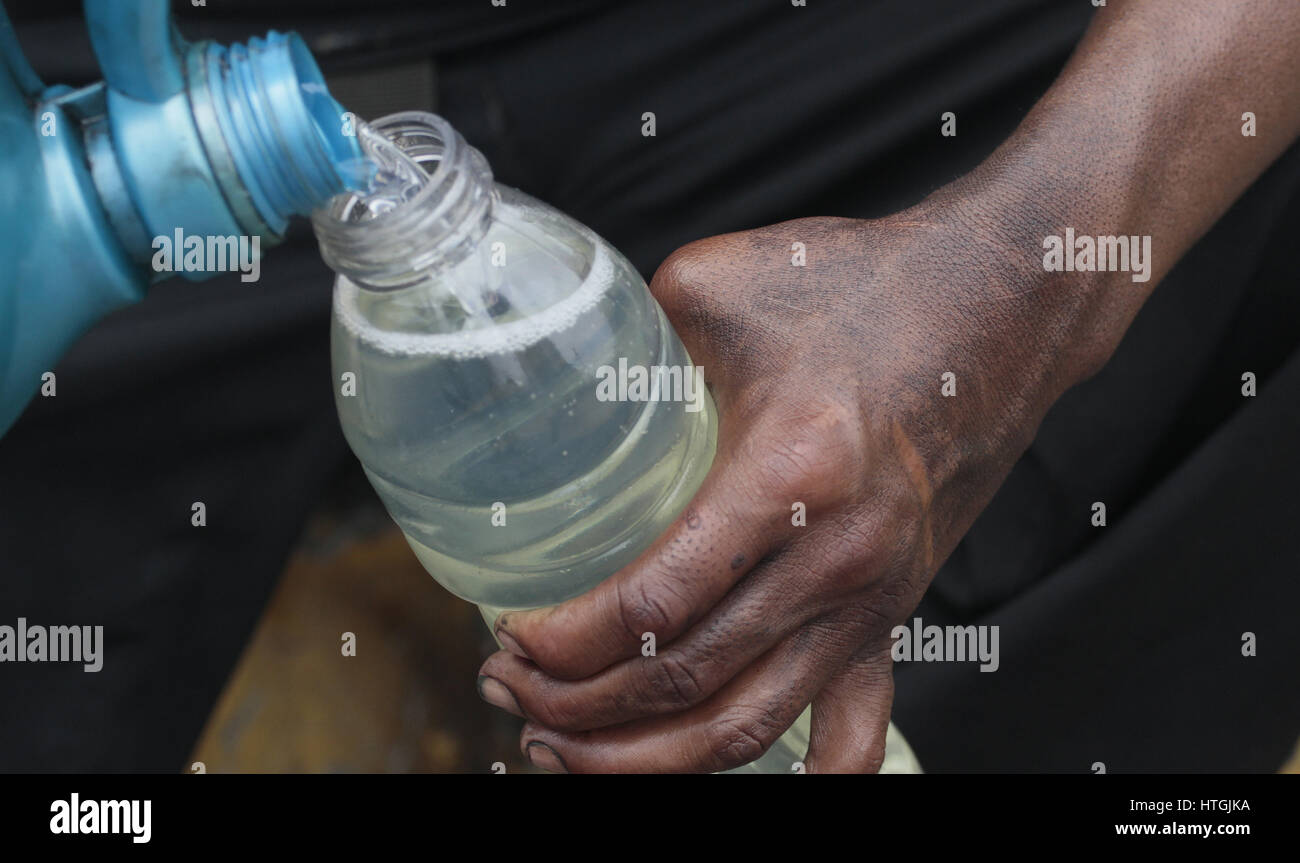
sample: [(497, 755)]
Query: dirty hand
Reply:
[(872, 397), (883, 391)]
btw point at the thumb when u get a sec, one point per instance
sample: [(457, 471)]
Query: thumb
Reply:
[(851, 715)]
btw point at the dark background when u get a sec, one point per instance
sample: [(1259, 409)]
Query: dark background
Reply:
[(1121, 646)]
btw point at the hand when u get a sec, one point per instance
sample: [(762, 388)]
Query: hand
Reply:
[(828, 380)]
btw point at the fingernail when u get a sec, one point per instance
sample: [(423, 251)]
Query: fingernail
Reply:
[(496, 693), (507, 640), (543, 756)]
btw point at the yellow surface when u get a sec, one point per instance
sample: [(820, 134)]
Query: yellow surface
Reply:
[(405, 703)]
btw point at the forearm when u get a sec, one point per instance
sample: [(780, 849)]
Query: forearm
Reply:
[(1142, 135)]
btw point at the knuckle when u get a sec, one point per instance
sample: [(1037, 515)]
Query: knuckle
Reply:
[(817, 450), (853, 538), (874, 758), (682, 275), (643, 608), (854, 551), (671, 683), (741, 735)]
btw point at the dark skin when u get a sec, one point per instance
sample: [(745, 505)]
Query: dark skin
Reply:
[(828, 384)]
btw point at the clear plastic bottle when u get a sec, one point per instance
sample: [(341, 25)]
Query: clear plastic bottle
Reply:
[(471, 326), (475, 321)]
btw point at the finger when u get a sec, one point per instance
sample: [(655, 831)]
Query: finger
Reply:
[(730, 525), (780, 595), (850, 715), (729, 730)]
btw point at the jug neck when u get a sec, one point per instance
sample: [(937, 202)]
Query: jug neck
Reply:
[(275, 137), (384, 245)]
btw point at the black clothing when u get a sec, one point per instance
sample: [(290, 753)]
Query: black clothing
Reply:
[(1119, 644)]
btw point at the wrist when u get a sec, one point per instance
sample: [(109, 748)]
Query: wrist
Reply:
[(1067, 257)]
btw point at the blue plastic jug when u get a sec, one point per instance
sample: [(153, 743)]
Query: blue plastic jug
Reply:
[(206, 140)]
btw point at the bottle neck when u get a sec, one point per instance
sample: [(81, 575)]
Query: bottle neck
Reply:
[(393, 236)]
